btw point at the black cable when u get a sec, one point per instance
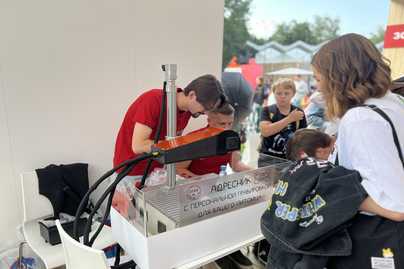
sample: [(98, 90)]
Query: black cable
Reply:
[(108, 191), (157, 135), (104, 219), (108, 207), (84, 200)]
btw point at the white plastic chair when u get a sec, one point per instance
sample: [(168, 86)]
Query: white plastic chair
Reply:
[(79, 256), (36, 207)]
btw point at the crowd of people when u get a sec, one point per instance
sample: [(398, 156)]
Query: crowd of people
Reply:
[(354, 95)]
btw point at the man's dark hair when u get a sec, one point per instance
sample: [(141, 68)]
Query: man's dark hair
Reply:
[(208, 91), (307, 140)]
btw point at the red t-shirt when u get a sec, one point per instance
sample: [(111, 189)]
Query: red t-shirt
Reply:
[(145, 110), (208, 165)]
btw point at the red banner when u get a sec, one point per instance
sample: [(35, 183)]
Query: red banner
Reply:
[(394, 36)]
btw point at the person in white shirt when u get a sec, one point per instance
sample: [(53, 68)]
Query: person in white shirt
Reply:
[(351, 73)]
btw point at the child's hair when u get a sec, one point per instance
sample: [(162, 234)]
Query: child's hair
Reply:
[(284, 83), (226, 109), (308, 141)]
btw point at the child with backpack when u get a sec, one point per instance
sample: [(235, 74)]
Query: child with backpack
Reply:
[(304, 143), (279, 121)]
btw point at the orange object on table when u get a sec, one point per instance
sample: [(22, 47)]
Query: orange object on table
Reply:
[(188, 139)]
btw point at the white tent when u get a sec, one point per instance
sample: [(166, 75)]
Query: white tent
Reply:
[(290, 71)]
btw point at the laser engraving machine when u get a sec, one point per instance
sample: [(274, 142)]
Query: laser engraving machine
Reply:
[(189, 222)]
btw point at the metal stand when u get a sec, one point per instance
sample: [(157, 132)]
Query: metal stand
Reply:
[(170, 77)]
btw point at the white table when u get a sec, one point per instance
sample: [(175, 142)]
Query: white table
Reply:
[(191, 246)]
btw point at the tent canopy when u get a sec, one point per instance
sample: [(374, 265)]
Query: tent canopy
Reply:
[(290, 71)]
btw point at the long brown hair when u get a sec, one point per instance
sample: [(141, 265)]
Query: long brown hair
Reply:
[(354, 70)]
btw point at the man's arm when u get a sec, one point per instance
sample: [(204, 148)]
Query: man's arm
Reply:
[(182, 169), (369, 205), (141, 143), (236, 164)]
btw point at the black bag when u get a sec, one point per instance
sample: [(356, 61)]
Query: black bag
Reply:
[(311, 202), (64, 186), (374, 240), (311, 208)]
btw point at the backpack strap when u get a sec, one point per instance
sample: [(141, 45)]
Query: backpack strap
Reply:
[(395, 137)]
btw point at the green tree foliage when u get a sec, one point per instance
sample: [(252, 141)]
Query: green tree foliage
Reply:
[(287, 33), (323, 28), (235, 33)]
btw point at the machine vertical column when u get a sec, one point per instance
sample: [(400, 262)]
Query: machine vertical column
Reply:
[(170, 77)]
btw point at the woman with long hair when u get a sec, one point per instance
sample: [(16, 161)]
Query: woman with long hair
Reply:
[(354, 79)]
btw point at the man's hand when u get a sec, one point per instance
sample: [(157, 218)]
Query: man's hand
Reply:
[(182, 169), (185, 173), (236, 164)]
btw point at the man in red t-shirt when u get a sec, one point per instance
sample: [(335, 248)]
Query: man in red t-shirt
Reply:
[(139, 126), (140, 123), (222, 117)]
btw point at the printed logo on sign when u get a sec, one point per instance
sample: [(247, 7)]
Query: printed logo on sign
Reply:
[(394, 36), (193, 193), (398, 35)]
